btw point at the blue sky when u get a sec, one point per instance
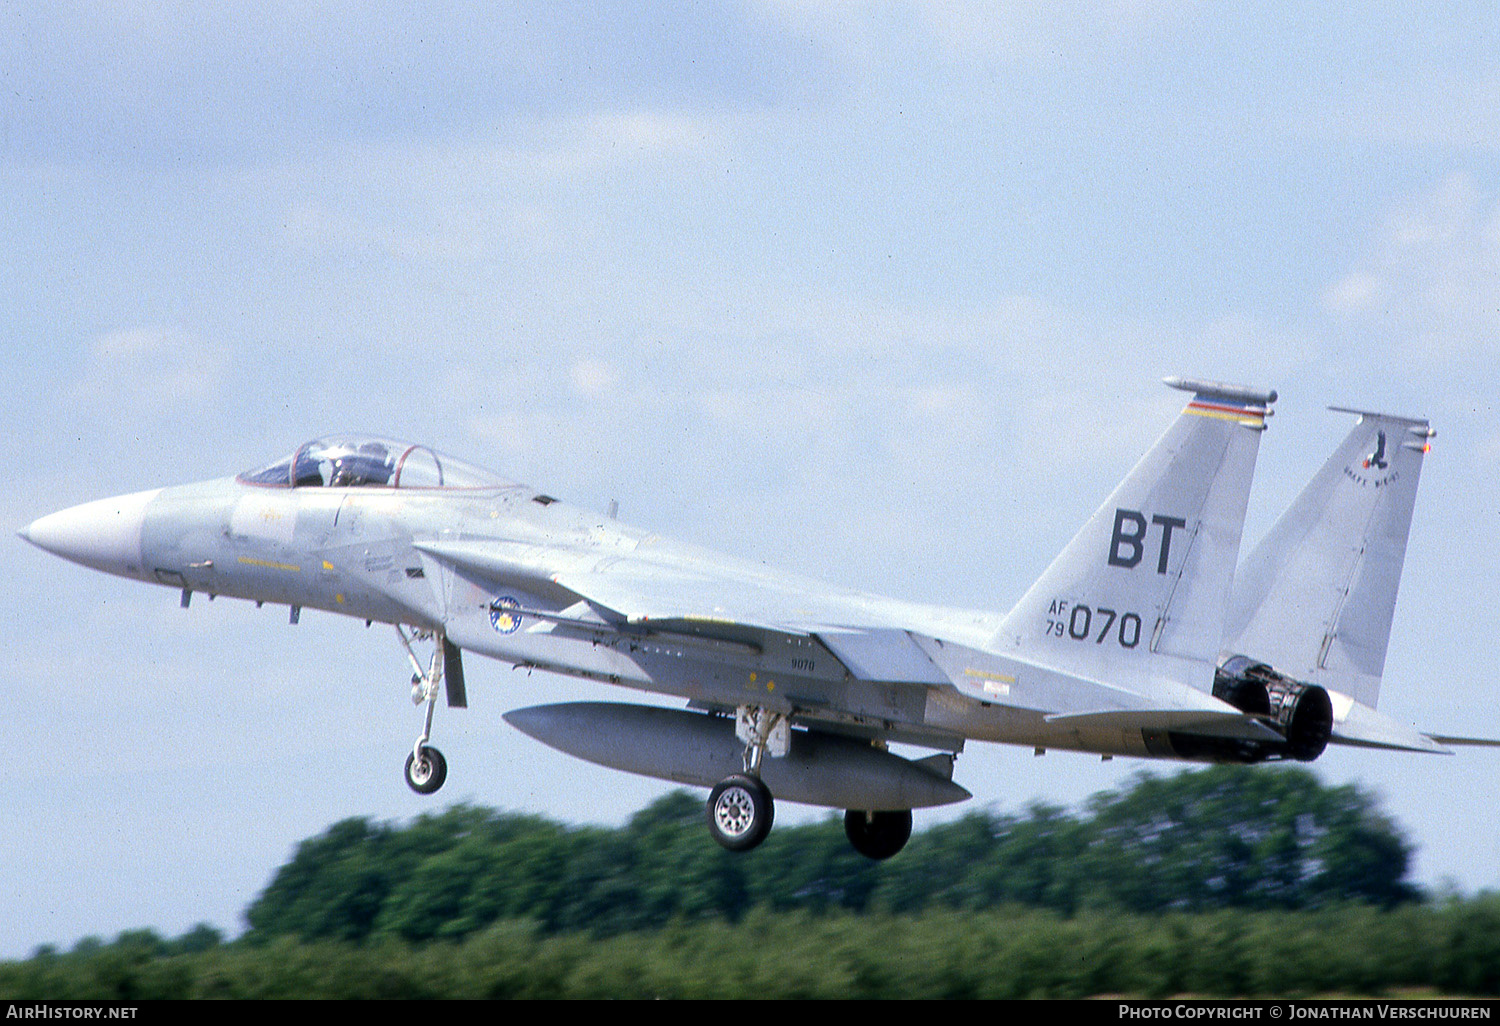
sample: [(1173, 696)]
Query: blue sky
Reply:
[(880, 292)]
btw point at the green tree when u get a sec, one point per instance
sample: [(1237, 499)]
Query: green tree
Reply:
[(1222, 837), (1242, 837)]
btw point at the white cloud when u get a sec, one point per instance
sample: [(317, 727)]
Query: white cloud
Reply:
[(963, 31), (506, 431), (1431, 280), (592, 378), (605, 143), (477, 199), (150, 372), (447, 240), (1045, 33), (1357, 292)]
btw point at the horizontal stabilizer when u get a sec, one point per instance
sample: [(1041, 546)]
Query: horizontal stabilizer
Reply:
[(1480, 742), (1363, 727)]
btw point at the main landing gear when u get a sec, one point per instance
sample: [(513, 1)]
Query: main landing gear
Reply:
[(426, 769), (740, 811), (740, 807)]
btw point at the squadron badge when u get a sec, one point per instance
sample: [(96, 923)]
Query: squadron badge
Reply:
[(503, 616), (1376, 459)]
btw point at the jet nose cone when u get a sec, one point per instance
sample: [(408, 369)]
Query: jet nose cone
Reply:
[(104, 535)]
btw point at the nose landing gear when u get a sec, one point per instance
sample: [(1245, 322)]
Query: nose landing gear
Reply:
[(426, 769)]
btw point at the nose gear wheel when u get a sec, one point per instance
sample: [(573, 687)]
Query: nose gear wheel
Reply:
[(426, 769)]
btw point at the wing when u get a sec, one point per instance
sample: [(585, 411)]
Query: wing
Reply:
[(1123, 629), (669, 587)]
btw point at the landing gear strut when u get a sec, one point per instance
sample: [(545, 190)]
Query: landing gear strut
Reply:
[(740, 808), (426, 769)]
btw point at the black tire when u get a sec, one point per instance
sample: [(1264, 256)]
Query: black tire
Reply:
[(740, 811), (426, 776), (878, 835)]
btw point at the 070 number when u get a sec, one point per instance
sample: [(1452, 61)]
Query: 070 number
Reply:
[(1083, 621)]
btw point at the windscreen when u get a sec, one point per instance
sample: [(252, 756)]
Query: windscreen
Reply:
[(366, 462)]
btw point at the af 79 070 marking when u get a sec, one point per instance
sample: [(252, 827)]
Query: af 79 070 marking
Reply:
[(1080, 623)]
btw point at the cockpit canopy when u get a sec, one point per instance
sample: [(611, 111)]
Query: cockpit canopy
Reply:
[(364, 461)]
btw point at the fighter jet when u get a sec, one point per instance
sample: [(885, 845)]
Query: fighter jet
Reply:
[(1127, 645)]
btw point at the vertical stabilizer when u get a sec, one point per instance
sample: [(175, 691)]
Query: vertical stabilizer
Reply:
[(1316, 597), (1141, 592)]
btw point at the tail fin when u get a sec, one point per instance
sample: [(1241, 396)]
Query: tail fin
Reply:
[(1140, 593), (1316, 597)]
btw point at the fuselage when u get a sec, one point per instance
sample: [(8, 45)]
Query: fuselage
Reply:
[(387, 532), (359, 551)]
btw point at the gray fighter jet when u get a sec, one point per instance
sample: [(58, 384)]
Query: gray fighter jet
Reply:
[(1131, 643)]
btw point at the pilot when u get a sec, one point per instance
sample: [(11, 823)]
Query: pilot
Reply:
[(305, 472), (369, 465)]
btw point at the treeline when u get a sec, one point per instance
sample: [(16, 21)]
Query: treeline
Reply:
[(1224, 881), (1220, 838), (1452, 949)]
